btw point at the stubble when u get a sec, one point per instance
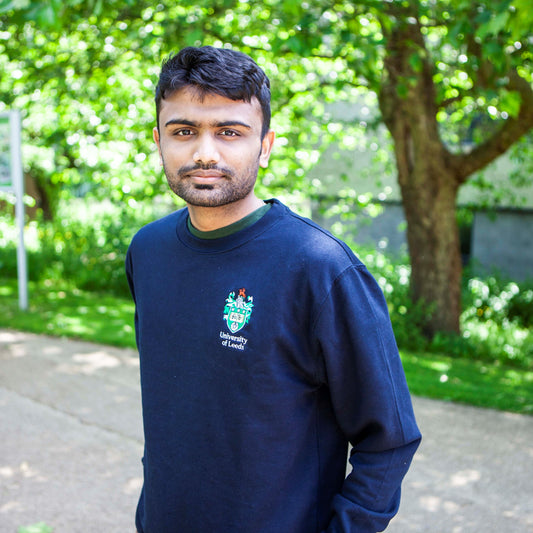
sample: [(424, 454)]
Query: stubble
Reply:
[(228, 189)]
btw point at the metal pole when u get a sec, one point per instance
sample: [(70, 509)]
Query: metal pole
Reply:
[(18, 182)]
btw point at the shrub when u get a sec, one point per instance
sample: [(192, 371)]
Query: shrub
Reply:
[(85, 245), (495, 321), (520, 308), (497, 299), (407, 317)]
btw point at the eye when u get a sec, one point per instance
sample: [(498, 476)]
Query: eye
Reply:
[(184, 132), (229, 133)]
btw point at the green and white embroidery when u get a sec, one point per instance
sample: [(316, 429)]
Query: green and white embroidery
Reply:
[(237, 311)]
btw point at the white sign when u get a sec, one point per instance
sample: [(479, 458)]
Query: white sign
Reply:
[(5, 153), (12, 180)]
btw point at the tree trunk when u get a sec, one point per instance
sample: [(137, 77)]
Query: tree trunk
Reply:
[(428, 184), (429, 192), (433, 240)]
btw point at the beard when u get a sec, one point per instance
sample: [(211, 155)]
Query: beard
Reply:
[(229, 189)]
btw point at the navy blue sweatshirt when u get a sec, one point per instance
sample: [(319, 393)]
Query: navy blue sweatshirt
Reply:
[(263, 354)]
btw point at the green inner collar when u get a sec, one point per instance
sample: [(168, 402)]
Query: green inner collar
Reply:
[(241, 224)]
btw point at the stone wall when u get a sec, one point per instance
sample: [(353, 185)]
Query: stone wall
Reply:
[(500, 242)]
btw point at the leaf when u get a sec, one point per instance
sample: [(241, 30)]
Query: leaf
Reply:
[(294, 44), (511, 102), (194, 37), (521, 22), (494, 26), (292, 8), (98, 7), (455, 31), (47, 16)]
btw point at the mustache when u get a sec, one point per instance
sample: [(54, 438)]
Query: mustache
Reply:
[(200, 166)]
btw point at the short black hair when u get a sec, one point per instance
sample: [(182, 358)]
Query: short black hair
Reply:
[(220, 71)]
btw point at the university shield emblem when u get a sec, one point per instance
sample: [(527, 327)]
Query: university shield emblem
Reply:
[(238, 310)]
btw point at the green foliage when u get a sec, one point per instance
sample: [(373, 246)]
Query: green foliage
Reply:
[(84, 76), (496, 318), (494, 299), (86, 130), (520, 308), (496, 322), (407, 317), (85, 246)]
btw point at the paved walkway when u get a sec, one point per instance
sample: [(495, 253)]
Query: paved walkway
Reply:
[(71, 442)]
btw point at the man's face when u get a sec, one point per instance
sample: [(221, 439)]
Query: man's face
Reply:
[(211, 147)]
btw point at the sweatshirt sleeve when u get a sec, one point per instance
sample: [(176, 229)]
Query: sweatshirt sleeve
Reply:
[(370, 399), (129, 276)]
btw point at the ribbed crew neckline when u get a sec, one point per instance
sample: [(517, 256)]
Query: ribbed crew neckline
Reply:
[(225, 231), (275, 210)]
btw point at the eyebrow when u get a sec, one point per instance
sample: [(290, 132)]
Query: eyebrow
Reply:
[(185, 122)]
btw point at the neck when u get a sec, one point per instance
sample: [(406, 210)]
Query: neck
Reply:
[(213, 218)]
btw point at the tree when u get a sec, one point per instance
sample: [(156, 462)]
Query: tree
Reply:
[(453, 81), (454, 86), (84, 90), (483, 76)]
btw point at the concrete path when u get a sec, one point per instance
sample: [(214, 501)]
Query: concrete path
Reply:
[(71, 443)]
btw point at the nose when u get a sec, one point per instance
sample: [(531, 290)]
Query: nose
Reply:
[(206, 152)]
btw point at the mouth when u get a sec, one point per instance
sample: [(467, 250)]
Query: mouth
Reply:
[(205, 176)]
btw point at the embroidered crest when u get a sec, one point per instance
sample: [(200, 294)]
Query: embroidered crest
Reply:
[(237, 311)]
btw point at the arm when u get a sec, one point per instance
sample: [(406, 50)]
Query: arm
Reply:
[(129, 276), (360, 508), (370, 400)]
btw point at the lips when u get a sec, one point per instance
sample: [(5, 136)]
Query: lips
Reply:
[(205, 173), (205, 176)]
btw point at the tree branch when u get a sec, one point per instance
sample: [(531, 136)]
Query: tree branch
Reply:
[(465, 165)]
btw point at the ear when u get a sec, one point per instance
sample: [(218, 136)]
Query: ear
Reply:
[(266, 148), (158, 143)]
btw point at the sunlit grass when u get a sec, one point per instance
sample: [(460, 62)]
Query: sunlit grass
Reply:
[(60, 310), (66, 311), (469, 381)]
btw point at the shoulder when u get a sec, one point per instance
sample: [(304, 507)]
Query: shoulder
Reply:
[(158, 231), (306, 239)]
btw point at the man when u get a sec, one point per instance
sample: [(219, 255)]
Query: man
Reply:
[(265, 345)]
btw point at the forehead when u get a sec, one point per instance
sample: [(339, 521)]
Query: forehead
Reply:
[(194, 106)]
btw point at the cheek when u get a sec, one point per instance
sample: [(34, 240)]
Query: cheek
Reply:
[(244, 155), (172, 153)]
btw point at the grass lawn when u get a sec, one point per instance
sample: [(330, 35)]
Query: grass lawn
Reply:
[(468, 381), (62, 311), (66, 312)]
